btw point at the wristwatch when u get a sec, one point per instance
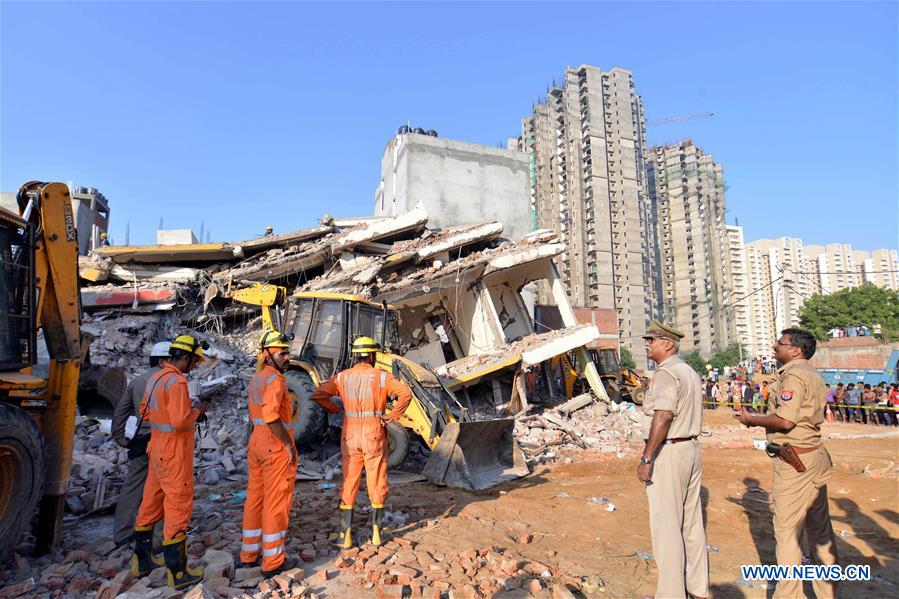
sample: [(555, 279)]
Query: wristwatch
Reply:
[(644, 461)]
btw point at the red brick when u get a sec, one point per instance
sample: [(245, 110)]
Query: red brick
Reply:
[(402, 579), (524, 538), (471, 554), (509, 566), (534, 586), (441, 585), (403, 542), (467, 591), (399, 570), (282, 581), (389, 591), (78, 556), (308, 554), (322, 575), (81, 584), (341, 562)]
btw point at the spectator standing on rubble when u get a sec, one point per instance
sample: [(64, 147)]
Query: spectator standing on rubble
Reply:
[(169, 490), (363, 442), (127, 406), (271, 460), (793, 427), (671, 468)]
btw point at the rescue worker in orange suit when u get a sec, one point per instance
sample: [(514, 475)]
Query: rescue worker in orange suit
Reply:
[(271, 459), (169, 490), (364, 391)]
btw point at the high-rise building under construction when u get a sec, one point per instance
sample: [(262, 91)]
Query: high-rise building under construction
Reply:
[(695, 289), (585, 141)]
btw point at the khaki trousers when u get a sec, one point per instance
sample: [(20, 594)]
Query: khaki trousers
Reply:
[(800, 502), (129, 499), (675, 520)]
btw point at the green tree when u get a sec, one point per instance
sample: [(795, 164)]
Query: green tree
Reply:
[(695, 361), (729, 356), (866, 305), (627, 359)]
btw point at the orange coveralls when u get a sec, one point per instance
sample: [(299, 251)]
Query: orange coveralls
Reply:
[(272, 473), (364, 391), (169, 490)]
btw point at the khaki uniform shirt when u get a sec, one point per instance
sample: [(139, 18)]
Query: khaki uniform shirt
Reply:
[(799, 396), (676, 388)]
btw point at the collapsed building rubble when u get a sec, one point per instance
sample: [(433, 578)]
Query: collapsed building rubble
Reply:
[(461, 311)]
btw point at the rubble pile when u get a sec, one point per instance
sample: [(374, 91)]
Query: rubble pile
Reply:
[(596, 426)]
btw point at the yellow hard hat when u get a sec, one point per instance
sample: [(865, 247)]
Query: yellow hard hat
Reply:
[(273, 339), (187, 343), (102, 235), (365, 345), (269, 228)]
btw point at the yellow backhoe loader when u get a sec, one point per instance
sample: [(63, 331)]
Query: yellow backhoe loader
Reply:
[(464, 453), (621, 383), (38, 288)]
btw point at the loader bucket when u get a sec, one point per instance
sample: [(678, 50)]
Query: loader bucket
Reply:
[(476, 455)]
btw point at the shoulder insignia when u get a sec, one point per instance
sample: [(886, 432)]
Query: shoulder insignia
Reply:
[(786, 395)]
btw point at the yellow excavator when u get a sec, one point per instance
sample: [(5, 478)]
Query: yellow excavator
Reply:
[(464, 452), (621, 383), (38, 289)]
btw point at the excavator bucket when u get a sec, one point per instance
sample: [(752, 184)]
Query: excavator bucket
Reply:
[(476, 455)]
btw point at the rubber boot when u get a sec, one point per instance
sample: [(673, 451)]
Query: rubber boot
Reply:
[(180, 575), (343, 537), (287, 564), (379, 534), (144, 560)]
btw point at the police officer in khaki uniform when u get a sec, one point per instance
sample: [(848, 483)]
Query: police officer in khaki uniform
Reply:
[(795, 413), (671, 468)]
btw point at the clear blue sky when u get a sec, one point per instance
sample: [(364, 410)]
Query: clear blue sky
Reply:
[(248, 114)]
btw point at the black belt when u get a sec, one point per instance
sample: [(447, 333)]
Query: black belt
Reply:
[(679, 439)]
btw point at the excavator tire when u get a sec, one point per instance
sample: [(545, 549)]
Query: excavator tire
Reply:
[(21, 475), (637, 396), (310, 419), (397, 444)]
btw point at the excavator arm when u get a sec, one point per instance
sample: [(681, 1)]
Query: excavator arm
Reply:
[(268, 297), (51, 404)]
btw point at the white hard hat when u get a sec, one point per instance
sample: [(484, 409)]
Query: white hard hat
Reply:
[(160, 350)]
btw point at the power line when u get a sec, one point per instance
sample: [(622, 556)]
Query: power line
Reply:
[(846, 272)]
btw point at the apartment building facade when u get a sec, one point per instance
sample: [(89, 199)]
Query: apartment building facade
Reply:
[(740, 295), (777, 272), (686, 192), (585, 144)]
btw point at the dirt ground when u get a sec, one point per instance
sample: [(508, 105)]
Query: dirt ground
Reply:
[(583, 538), (560, 523)]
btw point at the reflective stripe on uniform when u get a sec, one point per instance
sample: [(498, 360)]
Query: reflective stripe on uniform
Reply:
[(274, 537), (262, 422), (273, 552), (250, 546), (252, 533), (362, 414), (163, 428)]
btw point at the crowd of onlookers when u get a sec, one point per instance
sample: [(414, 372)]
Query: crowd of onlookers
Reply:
[(857, 330), (852, 402), (863, 403)]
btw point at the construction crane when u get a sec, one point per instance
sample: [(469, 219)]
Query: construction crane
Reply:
[(675, 119)]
